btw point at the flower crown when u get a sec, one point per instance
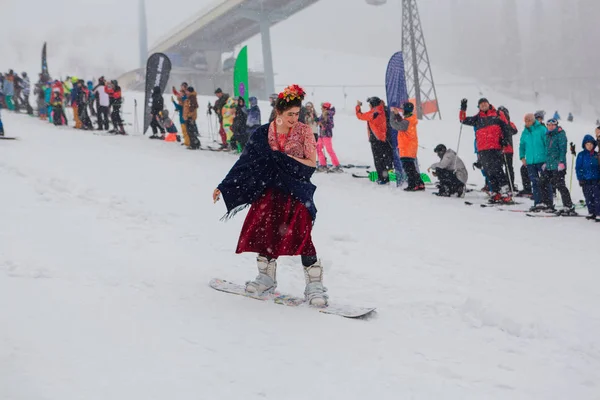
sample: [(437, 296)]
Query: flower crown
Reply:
[(292, 92)]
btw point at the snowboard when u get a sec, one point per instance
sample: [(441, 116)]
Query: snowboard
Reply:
[(8, 138), (341, 310)]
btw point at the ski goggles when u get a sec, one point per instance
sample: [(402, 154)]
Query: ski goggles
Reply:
[(552, 122)]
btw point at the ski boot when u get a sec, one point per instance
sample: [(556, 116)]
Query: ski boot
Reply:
[(315, 291), (506, 195), (266, 281), (567, 212), (495, 198), (591, 217)]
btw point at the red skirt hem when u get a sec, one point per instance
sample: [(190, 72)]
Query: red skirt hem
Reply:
[(277, 224)]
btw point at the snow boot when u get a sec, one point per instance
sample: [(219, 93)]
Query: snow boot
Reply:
[(591, 217), (266, 281), (315, 291)]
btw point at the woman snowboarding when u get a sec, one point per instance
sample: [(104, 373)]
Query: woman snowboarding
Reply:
[(275, 169)]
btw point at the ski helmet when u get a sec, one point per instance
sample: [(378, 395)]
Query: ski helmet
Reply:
[(408, 108), (440, 148)]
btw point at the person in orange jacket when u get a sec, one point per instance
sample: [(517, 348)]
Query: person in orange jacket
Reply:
[(377, 128), (408, 144)]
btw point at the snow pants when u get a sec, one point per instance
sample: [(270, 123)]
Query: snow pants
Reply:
[(78, 124), (382, 157), (186, 137), (535, 173), (155, 125), (591, 191), (9, 103), (449, 183), (1, 128), (115, 115), (525, 179), (102, 118), (555, 179), (410, 167), (326, 142), (493, 162)]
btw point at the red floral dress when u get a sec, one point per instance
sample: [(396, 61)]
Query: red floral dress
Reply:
[(278, 224)]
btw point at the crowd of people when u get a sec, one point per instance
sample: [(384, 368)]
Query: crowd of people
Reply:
[(543, 149), (53, 97)]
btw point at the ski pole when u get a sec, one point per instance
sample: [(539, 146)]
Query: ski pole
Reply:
[(512, 188), (572, 145), (458, 147)]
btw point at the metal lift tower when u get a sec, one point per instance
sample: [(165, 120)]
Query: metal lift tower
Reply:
[(419, 79)]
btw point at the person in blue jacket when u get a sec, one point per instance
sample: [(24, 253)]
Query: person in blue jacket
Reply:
[(554, 169), (587, 167)]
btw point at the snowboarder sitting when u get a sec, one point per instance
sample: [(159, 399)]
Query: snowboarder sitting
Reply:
[(587, 167), (169, 126), (450, 171), (408, 144)]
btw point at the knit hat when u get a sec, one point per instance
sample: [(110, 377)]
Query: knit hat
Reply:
[(482, 100)]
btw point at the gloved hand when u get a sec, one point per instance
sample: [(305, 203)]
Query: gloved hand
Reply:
[(561, 167), (463, 104), (503, 141), (477, 165)]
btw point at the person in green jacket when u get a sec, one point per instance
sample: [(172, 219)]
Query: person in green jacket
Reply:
[(532, 152), (555, 169)]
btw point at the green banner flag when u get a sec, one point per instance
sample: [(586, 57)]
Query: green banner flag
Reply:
[(240, 75)]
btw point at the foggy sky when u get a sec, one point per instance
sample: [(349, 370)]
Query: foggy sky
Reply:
[(550, 42)]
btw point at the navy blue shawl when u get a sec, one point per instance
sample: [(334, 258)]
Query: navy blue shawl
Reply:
[(260, 168)]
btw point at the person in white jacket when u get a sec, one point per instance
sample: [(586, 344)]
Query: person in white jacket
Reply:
[(450, 171), (103, 104)]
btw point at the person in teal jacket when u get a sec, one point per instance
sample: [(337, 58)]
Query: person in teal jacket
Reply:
[(532, 152), (555, 169)]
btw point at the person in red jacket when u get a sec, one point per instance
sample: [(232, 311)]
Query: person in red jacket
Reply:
[(491, 136), (377, 130), (114, 92)]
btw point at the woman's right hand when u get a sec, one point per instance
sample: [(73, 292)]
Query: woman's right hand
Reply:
[(216, 195)]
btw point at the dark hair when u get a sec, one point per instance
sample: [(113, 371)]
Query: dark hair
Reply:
[(282, 105)]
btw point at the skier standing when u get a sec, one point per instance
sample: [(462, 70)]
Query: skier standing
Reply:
[(588, 175), (532, 152), (114, 92), (408, 144), (312, 119), (554, 170), (158, 104), (276, 169), (254, 117), (26, 90), (508, 149), (491, 136), (377, 129), (222, 99), (190, 113), (239, 128), (326, 125), (9, 90), (103, 104)]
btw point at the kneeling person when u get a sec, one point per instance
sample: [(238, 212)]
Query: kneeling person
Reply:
[(450, 171)]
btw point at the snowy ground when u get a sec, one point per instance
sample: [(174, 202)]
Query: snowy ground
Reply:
[(107, 245)]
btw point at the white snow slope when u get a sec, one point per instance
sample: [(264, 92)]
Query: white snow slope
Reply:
[(107, 245)]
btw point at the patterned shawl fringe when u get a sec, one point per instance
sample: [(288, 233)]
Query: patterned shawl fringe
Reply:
[(229, 215)]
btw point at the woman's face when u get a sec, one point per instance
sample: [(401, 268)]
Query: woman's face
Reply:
[(290, 117)]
